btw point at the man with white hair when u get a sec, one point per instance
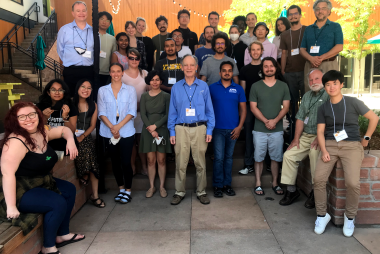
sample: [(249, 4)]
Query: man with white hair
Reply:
[(305, 139)]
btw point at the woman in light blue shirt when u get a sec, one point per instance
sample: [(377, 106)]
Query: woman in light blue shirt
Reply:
[(117, 107)]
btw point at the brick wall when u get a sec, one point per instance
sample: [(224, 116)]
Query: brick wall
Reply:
[(369, 202)]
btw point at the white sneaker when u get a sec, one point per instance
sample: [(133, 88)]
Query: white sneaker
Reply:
[(348, 228), (246, 170), (321, 223)]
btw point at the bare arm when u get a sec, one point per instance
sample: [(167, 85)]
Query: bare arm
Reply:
[(257, 112), (72, 123), (283, 60), (242, 84), (284, 110), (66, 133), (114, 58), (236, 79), (333, 52), (373, 121), (305, 55)]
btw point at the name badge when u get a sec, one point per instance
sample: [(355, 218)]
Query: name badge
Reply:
[(87, 54), (78, 132), (306, 120), (340, 135), (295, 52), (314, 49), (103, 54), (161, 52), (190, 111), (172, 81)]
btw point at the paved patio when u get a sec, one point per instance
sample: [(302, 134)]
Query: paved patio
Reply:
[(246, 223)]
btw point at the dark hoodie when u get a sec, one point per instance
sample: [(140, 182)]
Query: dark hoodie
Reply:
[(190, 38)]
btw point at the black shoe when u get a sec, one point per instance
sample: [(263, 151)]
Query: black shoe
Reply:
[(229, 191), (218, 193), (310, 203), (289, 197)]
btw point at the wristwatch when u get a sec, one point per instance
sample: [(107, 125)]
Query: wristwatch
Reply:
[(367, 138)]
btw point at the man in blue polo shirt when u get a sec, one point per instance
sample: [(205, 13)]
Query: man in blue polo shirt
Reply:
[(227, 98), (321, 42)]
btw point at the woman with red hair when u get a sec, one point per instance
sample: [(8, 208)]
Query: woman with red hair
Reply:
[(27, 187)]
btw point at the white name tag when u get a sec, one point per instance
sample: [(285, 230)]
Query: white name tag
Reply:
[(314, 49), (306, 120), (78, 132), (190, 111), (295, 52), (340, 135), (172, 81), (103, 54), (87, 54)]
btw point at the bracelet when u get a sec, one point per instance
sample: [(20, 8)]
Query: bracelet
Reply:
[(65, 118)]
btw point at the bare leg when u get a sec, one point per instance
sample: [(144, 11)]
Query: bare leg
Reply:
[(274, 167), (258, 171), (94, 185), (151, 167), (161, 161)]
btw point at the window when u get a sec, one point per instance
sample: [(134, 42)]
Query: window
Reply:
[(44, 8), (345, 66), (18, 1), (367, 74), (376, 73)]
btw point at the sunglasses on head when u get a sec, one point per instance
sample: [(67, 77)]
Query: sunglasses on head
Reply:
[(134, 58)]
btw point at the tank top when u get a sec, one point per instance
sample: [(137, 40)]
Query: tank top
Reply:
[(36, 164), (123, 60), (84, 121)]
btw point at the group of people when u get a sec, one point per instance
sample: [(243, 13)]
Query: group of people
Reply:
[(173, 93)]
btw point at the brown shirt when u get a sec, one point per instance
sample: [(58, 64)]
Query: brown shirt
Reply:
[(294, 63)]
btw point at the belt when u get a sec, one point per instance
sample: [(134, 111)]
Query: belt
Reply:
[(330, 59), (192, 124)]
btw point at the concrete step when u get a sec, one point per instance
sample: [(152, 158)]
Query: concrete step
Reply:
[(22, 71), (20, 65), (29, 75)]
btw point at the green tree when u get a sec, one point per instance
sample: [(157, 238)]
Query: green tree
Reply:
[(266, 10), (358, 27)]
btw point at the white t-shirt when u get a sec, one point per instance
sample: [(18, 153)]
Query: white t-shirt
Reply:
[(185, 50)]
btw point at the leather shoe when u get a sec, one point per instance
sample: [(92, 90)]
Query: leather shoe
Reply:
[(218, 193), (176, 199), (229, 191), (204, 199), (289, 197), (310, 202)]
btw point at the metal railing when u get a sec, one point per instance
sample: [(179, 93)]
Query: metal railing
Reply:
[(24, 22), (48, 33)]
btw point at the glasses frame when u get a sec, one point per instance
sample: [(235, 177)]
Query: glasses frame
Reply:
[(26, 116), (61, 91)]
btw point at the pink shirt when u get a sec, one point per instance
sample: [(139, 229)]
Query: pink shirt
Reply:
[(269, 50), (138, 83)]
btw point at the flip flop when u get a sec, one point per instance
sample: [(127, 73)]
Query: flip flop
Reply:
[(57, 252), (258, 188), (72, 240), (276, 190)]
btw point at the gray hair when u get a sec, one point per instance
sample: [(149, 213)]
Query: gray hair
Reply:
[(78, 2), (311, 71), (329, 4), (194, 57)]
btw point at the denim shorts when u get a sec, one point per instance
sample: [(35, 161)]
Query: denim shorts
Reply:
[(271, 142)]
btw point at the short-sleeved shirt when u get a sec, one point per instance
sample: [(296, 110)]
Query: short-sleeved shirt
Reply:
[(354, 108), (247, 39), (326, 37), (310, 103), (159, 43), (108, 46), (211, 69), (292, 40), (185, 50), (202, 54), (226, 104), (170, 68), (249, 74), (269, 101)]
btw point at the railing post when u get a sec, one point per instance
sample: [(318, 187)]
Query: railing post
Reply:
[(37, 11), (28, 22), (23, 26), (10, 58)]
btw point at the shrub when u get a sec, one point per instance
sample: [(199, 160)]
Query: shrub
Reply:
[(363, 123)]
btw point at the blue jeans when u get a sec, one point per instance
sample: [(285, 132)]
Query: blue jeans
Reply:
[(223, 150), (56, 208)]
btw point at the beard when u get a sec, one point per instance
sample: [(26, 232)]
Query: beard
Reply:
[(316, 87), (270, 75), (295, 22), (226, 79), (208, 41)]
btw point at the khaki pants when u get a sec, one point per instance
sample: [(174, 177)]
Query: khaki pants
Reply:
[(351, 154), (324, 67), (289, 163), (194, 138)]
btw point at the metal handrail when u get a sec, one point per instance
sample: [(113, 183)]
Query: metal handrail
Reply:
[(49, 37), (23, 18)]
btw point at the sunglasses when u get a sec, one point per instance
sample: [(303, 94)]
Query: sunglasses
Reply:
[(134, 58)]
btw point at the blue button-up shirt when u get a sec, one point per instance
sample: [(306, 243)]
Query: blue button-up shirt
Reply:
[(199, 94), (126, 104), (70, 36), (326, 37)]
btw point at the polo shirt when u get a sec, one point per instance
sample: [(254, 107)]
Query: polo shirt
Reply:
[(325, 37), (226, 104)]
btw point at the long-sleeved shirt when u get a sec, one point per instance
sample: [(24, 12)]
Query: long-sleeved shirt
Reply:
[(71, 36), (269, 50), (126, 104), (199, 95)]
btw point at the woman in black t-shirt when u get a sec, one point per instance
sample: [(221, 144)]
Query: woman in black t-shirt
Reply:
[(58, 109), (339, 139)]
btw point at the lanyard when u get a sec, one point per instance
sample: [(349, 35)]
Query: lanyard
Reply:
[(315, 102), (291, 40), (316, 38), (344, 116), (187, 93), (85, 43), (175, 68)]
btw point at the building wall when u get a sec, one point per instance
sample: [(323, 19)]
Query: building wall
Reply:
[(22, 9)]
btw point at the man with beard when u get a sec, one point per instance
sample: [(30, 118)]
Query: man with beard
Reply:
[(266, 98), (190, 38), (305, 139), (322, 41), (206, 51), (181, 50), (210, 69), (159, 39), (170, 67), (228, 99), (213, 20)]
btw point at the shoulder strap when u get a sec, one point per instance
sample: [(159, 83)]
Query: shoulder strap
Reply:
[(21, 142)]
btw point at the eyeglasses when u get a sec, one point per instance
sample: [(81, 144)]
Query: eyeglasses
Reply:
[(177, 36), (321, 9), (85, 88), (104, 20), (293, 14), (134, 58), (60, 91), (220, 44), (184, 17), (31, 115)]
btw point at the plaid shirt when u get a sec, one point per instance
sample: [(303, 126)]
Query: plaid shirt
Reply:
[(310, 103)]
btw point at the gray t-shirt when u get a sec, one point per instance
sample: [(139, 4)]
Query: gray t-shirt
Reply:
[(354, 108), (211, 68)]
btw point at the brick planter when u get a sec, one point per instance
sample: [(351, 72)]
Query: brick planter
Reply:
[(369, 202)]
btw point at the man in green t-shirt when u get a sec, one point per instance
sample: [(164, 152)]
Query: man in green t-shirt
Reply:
[(266, 98)]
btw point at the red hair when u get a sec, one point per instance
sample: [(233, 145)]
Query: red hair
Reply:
[(11, 125)]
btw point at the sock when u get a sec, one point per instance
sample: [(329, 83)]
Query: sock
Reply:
[(128, 192), (122, 190), (291, 188)]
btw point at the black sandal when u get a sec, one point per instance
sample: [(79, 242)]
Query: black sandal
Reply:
[(127, 197), (118, 196), (258, 188), (57, 252), (84, 181), (72, 240), (99, 205), (277, 190)]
